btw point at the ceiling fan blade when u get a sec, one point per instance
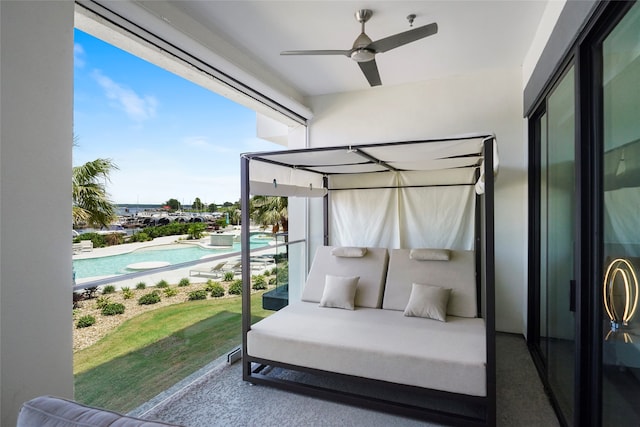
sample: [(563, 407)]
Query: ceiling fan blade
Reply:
[(370, 70), (316, 52), (400, 39)]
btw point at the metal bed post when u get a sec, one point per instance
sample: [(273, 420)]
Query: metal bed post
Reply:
[(325, 211), (490, 315), (246, 267)]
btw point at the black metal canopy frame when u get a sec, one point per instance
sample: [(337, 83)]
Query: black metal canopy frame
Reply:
[(254, 368)]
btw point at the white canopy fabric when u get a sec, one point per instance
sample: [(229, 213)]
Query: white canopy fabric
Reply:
[(297, 173), (394, 195)]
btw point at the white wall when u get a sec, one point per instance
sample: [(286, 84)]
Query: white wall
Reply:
[(490, 101), (36, 87)]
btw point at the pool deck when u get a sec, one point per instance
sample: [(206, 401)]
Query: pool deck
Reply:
[(172, 276), (129, 247)]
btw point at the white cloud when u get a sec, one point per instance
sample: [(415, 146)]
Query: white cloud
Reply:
[(138, 108), (78, 55)]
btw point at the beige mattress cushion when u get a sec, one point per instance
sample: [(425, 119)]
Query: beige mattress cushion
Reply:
[(371, 269), (458, 274), (379, 344)]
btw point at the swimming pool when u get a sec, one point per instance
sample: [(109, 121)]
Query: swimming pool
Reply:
[(173, 254)]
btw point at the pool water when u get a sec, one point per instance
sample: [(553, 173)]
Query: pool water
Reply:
[(117, 264)]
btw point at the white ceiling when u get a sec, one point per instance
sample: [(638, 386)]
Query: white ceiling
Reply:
[(472, 35)]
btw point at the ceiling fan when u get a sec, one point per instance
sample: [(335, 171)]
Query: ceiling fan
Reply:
[(364, 49)]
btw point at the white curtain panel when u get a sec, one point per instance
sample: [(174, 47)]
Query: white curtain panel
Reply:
[(364, 218), (428, 217), (444, 216)]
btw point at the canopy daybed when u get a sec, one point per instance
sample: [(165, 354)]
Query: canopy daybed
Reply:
[(396, 215)]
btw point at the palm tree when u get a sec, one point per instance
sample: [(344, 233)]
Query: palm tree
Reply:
[(269, 210), (91, 203)]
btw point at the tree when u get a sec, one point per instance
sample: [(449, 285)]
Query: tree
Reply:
[(91, 203), (235, 216), (270, 211), (197, 204), (173, 204), (212, 207)]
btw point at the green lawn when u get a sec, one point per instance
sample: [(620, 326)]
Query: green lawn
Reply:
[(151, 352)]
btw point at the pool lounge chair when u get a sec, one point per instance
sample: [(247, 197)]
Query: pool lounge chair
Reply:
[(235, 267), (216, 271)]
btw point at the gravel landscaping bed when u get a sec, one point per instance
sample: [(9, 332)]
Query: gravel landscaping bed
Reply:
[(85, 337)]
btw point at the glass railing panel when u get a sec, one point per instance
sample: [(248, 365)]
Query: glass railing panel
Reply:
[(196, 321), (287, 275)]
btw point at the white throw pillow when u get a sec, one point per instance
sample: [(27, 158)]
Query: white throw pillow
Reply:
[(430, 254), (339, 292), (349, 252), (428, 301)]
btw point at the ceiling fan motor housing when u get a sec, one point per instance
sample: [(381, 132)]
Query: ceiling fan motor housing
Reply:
[(359, 52)]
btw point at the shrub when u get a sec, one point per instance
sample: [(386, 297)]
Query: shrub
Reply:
[(228, 276), (162, 284), (140, 237), (184, 282), (85, 321), (216, 289), (170, 292), (281, 257), (101, 302), (196, 295), (113, 239), (127, 293), (97, 239), (148, 299), (282, 275), (171, 229), (195, 230), (112, 309), (109, 289), (209, 285), (272, 281), (77, 297), (235, 288), (259, 282), (141, 285), (90, 293)]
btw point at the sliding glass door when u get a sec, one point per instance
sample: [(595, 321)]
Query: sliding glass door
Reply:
[(584, 327), (556, 142)]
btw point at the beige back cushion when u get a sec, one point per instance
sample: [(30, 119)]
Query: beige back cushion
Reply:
[(371, 268), (458, 274)]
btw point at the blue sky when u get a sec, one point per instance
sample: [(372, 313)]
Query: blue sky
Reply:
[(169, 137)]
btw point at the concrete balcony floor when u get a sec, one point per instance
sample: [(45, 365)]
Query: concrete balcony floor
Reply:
[(217, 396)]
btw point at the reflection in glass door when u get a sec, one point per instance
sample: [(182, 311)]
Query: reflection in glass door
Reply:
[(621, 185)]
